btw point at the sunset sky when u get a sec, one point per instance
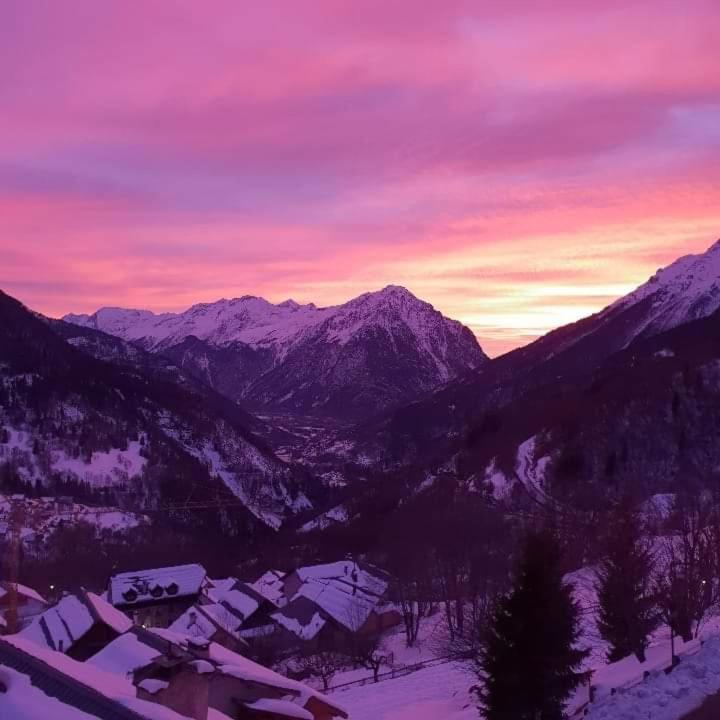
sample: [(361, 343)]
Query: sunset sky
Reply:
[(518, 163)]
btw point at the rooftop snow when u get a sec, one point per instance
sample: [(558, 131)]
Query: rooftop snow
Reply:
[(113, 687), (347, 571), (124, 655), (280, 708), (140, 586), (61, 626)]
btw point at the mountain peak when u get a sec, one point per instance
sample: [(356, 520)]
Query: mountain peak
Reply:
[(685, 290)]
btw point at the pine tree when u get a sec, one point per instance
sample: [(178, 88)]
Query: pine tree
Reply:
[(529, 663), (628, 612)]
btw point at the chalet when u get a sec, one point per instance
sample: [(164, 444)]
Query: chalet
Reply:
[(158, 597), (78, 625), (198, 679), (29, 604), (326, 605), (227, 611), (371, 580), (212, 622), (38, 682), (271, 586)]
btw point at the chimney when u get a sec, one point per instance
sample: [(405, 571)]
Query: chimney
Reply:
[(183, 689)]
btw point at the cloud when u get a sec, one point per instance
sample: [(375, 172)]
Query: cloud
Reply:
[(486, 155)]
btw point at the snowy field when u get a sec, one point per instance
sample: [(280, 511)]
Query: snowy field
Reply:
[(437, 693), (444, 691)]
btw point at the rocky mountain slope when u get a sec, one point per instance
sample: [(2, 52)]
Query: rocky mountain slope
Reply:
[(625, 396), (135, 430), (346, 362)]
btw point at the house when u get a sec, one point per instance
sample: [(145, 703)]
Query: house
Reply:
[(327, 605), (271, 586), (29, 603), (157, 597), (36, 682), (227, 611), (213, 622), (371, 580), (78, 625), (200, 679)]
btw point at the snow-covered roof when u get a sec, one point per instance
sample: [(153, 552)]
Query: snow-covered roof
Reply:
[(302, 618), (131, 588), (82, 688), (281, 708), (106, 613), (223, 584), (204, 621), (348, 606), (62, 625), (235, 665), (270, 586), (349, 572), (241, 602), (23, 591), (125, 654)]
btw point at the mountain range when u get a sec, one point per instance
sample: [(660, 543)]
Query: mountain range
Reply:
[(346, 362), (214, 396)]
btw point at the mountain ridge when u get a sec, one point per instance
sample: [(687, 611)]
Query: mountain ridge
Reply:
[(346, 361)]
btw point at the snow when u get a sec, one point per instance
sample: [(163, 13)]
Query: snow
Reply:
[(49, 515), (441, 692), (107, 614), (347, 571), (530, 471), (258, 323), (304, 632), (270, 586), (105, 468), (153, 686), (350, 609), (194, 622), (188, 578), (24, 701), (283, 708), (686, 290), (240, 602), (110, 685), (202, 667), (60, 626), (666, 696), (236, 665), (23, 591), (499, 482), (338, 514), (124, 655)]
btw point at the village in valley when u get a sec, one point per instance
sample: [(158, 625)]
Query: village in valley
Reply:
[(173, 637)]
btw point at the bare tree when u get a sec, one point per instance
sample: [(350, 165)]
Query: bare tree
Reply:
[(367, 653), (687, 583), (323, 664)]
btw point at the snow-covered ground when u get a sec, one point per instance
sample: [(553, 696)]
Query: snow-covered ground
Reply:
[(666, 696), (443, 691), (436, 693), (46, 514)]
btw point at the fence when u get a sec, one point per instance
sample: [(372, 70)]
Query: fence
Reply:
[(398, 672), (601, 690)]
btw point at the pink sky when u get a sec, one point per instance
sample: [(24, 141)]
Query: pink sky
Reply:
[(518, 163)]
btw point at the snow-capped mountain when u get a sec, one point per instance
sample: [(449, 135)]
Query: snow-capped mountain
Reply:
[(686, 290), (346, 361), (127, 427), (530, 391)]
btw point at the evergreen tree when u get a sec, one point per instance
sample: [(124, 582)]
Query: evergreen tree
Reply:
[(628, 611), (529, 663)]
